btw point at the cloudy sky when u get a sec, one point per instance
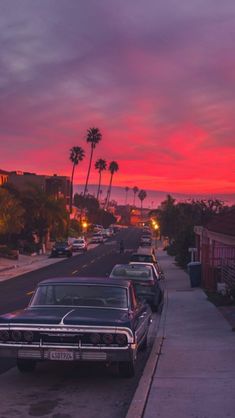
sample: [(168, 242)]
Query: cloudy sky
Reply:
[(156, 77)]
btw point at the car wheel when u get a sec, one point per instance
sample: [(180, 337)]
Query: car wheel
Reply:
[(26, 366), (126, 369)]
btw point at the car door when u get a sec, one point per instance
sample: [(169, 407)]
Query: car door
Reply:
[(141, 318)]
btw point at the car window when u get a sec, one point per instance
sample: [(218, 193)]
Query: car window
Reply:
[(80, 295), (132, 273), (142, 258)]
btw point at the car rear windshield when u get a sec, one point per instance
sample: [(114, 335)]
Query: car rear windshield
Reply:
[(80, 295), (144, 258), (138, 274)]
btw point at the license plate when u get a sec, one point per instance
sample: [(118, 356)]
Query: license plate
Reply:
[(61, 355)]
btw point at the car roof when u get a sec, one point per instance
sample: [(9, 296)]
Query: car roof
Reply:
[(86, 280), (130, 266)]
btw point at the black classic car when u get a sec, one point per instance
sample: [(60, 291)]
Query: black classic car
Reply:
[(77, 319)]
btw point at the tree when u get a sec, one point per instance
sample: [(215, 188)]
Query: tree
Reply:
[(44, 214), (93, 137), (135, 190), (142, 195), (100, 165), (11, 214), (113, 168), (126, 190), (76, 154)]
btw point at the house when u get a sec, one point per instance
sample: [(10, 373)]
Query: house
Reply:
[(57, 186), (215, 245)]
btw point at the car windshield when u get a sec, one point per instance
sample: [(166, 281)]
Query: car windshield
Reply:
[(80, 295), (137, 274), (78, 241)]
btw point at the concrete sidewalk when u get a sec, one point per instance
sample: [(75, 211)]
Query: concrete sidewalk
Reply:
[(195, 372), (25, 264)]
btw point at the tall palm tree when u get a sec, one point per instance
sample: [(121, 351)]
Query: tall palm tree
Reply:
[(142, 195), (135, 190), (126, 190), (100, 165), (93, 137), (113, 168), (76, 154)]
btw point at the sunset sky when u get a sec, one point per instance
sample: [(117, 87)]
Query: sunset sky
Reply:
[(156, 77)]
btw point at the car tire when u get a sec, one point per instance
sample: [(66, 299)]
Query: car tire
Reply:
[(126, 369), (26, 366)]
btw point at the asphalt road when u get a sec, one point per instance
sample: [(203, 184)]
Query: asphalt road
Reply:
[(69, 391)]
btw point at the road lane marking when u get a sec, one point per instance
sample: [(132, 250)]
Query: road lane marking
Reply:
[(84, 266), (74, 272)]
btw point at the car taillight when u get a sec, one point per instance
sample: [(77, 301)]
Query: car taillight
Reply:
[(108, 338), (95, 338), (28, 336), (16, 335), (121, 339), (4, 335)]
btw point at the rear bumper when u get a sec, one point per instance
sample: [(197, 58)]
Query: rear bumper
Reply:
[(44, 354)]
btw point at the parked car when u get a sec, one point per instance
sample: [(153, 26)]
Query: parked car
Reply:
[(146, 240), (79, 244), (145, 282), (77, 319), (97, 238), (62, 248)]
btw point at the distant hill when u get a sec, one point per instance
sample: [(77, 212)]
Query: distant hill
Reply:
[(154, 197)]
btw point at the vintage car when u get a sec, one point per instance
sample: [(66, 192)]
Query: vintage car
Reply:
[(78, 319)]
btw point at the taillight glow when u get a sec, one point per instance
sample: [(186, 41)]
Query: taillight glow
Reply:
[(95, 338), (121, 339), (4, 335), (108, 339), (16, 335)]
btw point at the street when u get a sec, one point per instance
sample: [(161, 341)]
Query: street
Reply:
[(68, 390)]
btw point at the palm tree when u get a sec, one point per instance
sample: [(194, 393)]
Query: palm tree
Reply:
[(113, 168), (93, 137), (76, 154), (135, 190), (126, 190), (100, 165), (142, 195)]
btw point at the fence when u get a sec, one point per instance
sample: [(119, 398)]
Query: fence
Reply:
[(217, 265)]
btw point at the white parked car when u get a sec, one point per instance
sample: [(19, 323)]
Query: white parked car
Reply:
[(79, 244), (97, 238)]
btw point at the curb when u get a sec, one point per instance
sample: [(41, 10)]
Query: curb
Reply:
[(7, 268), (140, 399)]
